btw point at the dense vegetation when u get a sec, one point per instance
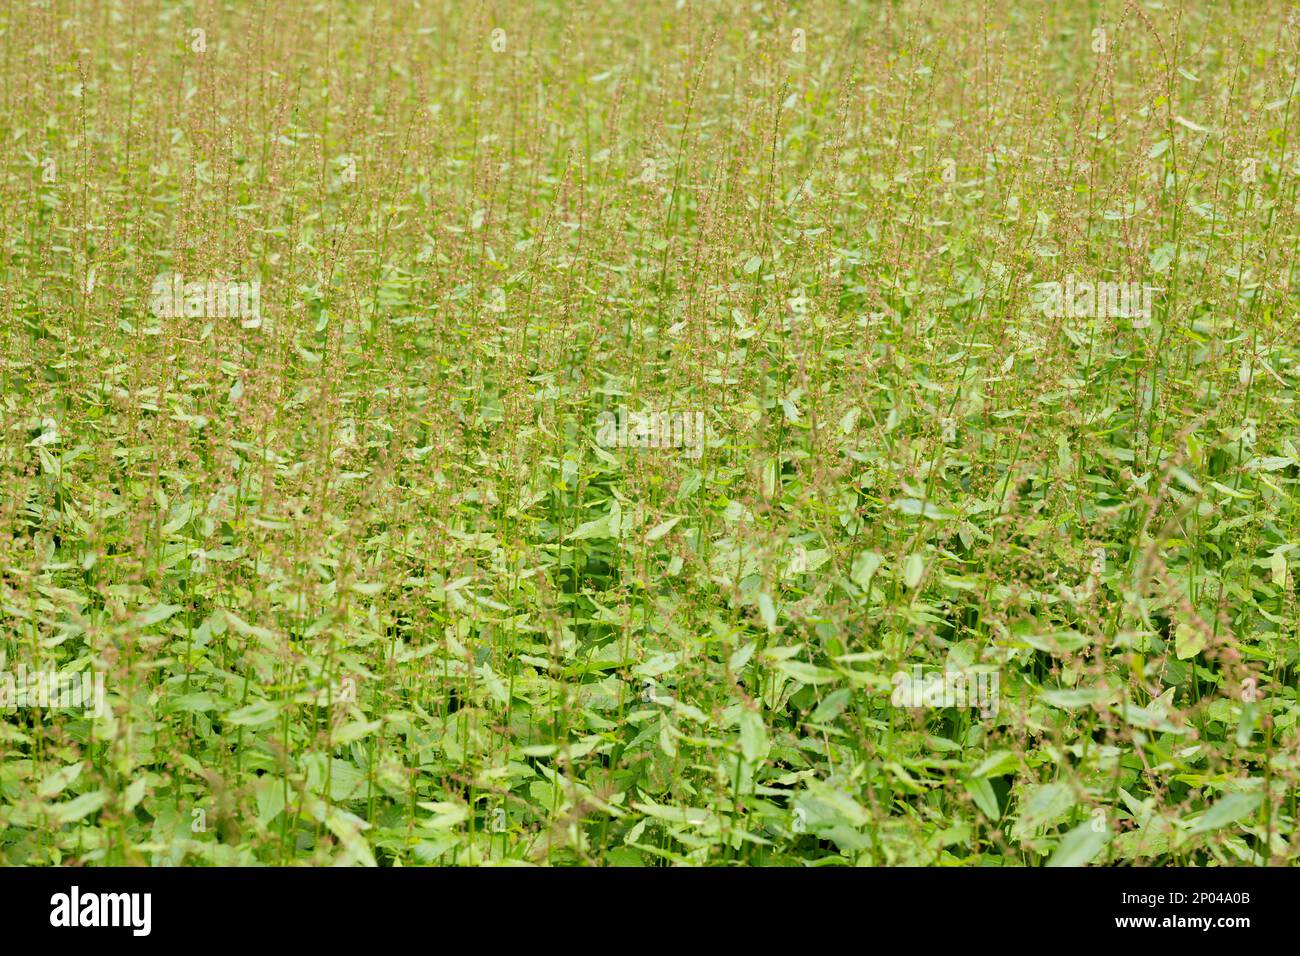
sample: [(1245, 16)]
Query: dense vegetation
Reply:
[(381, 573)]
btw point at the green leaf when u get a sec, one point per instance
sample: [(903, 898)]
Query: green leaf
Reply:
[(56, 782), (134, 794), (347, 827), (1188, 640), (1162, 257), (915, 506), (850, 419), (864, 568), (985, 798), (255, 714), (1074, 698), (806, 673), (1046, 803), (1228, 810), (597, 528), (81, 807), (155, 615), (1079, 846), (753, 735), (913, 569), (661, 529), (1277, 566), (831, 707), (996, 764)]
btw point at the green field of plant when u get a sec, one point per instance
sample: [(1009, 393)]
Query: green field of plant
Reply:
[(672, 432)]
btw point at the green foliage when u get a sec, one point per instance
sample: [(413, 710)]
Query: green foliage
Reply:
[(367, 585)]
